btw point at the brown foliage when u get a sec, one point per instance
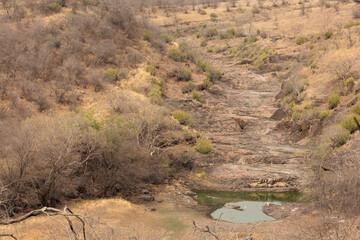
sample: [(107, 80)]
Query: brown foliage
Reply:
[(336, 179)]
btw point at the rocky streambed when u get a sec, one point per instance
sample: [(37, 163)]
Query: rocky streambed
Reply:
[(249, 151)]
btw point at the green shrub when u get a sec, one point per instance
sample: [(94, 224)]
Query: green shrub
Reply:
[(147, 36), (155, 94), (175, 55), (197, 35), (341, 139), (203, 146), (181, 74), (221, 48), (202, 11), (328, 34), (349, 25), (206, 84), (202, 25), (228, 34), (187, 22), (176, 34), (188, 88), (255, 10), (183, 117), (93, 122), (259, 63), (350, 84), (151, 70), (250, 39), (90, 3), (323, 114), (301, 40), (349, 123), (166, 37), (188, 135), (196, 95), (285, 101), (213, 73), (184, 159), (211, 32), (307, 106), (111, 73), (333, 101), (54, 6), (203, 43), (210, 49), (356, 109)]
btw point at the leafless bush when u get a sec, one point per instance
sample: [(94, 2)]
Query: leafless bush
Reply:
[(121, 14), (105, 51), (344, 67), (39, 51), (356, 12), (335, 179), (13, 9), (69, 155)]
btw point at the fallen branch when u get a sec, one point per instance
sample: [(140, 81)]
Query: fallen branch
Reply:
[(207, 230), (8, 235), (49, 211), (357, 123)]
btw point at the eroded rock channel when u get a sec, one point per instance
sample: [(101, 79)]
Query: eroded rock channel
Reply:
[(250, 153)]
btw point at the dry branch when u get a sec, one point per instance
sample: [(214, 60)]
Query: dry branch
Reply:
[(8, 235), (207, 230), (357, 123), (50, 212)]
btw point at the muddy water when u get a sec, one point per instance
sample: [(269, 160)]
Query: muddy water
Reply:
[(248, 212), (244, 207)]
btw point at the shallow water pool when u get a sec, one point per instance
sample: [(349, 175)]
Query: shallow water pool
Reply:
[(244, 207), (249, 211)]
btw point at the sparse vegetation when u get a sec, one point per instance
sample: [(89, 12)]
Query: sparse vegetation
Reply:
[(323, 114), (206, 84), (181, 74), (151, 70), (188, 87), (228, 34), (166, 37), (54, 6), (356, 109), (203, 145), (202, 11), (328, 34), (183, 117), (352, 24), (301, 40), (341, 138), (196, 95), (211, 32), (124, 63), (112, 74), (175, 55), (349, 122), (333, 101), (255, 10)]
